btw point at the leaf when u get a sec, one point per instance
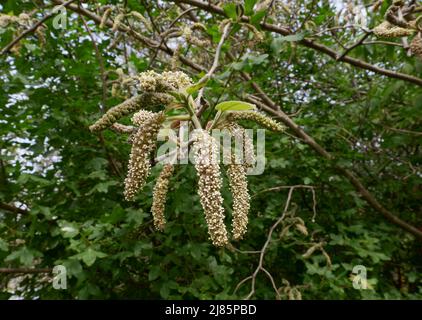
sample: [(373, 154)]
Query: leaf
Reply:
[(196, 87), (277, 43), (234, 106), (3, 245), (165, 290), (154, 273), (68, 229), (257, 17), (307, 180), (258, 59), (73, 267), (102, 187), (89, 256), (249, 5), (230, 11), (25, 256)]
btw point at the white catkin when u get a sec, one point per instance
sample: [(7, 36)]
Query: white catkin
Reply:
[(144, 142), (241, 199), (209, 185), (160, 195), (257, 117)]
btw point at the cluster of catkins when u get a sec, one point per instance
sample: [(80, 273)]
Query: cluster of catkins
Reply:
[(400, 22), (20, 24), (155, 90)]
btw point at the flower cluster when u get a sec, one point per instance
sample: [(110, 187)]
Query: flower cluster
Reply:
[(129, 106), (416, 46), (257, 117), (141, 117), (239, 133), (209, 185), (157, 90), (151, 81), (388, 30), (144, 142), (159, 196), (241, 199), (20, 24)]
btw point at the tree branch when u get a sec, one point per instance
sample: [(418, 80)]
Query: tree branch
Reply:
[(25, 270), (311, 44), (11, 208)]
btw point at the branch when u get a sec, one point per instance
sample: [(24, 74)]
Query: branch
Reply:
[(370, 199), (31, 29), (14, 209), (25, 270), (214, 66), (358, 43), (125, 29), (260, 266), (311, 44)]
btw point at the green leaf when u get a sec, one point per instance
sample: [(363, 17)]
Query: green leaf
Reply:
[(249, 4), (154, 273), (195, 87), (257, 17), (73, 267), (89, 256), (277, 43), (258, 59), (234, 106), (307, 180), (68, 229), (3, 245), (25, 256), (230, 11), (102, 187), (164, 290)]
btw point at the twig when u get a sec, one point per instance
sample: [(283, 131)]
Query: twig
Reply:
[(11, 208), (369, 198), (264, 249), (25, 270), (416, 133), (389, 43), (358, 43), (214, 66), (207, 6), (100, 63)]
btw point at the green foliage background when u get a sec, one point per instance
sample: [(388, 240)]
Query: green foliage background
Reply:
[(77, 216)]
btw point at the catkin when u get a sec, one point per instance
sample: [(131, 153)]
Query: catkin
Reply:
[(144, 142), (416, 46), (159, 196), (209, 185), (151, 81), (141, 117), (257, 117), (240, 134), (127, 107), (241, 199), (387, 30), (117, 22), (105, 17)]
